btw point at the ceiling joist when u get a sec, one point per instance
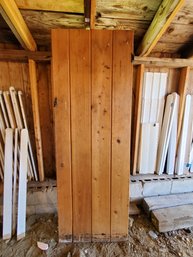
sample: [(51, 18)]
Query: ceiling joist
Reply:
[(161, 21), (68, 6), (15, 21)]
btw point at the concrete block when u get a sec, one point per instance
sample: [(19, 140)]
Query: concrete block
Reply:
[(42, 197), (180, 185), (136, 191), (49, 208), (157, 187)]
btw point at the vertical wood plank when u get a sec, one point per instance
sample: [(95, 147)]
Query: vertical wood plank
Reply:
[(46, 122), (80, 80), (137, 116), (182, 90), (36, 117), (61, 101), (101, 133), (121, 126)]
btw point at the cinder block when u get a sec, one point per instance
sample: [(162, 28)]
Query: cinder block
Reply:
[(180, 185), (158, 187), (136, 191), (42, 197), (42, 209)]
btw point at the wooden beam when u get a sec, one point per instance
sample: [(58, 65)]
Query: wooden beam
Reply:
[(36, 118), (161, 21), (92, 14), (24, 55), (137, 116), (14, 19), (68, 6), (162, 62), (182, 91)]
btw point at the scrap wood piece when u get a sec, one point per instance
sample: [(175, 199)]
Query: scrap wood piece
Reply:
[(133, 209), (173, 218), (165, 201)]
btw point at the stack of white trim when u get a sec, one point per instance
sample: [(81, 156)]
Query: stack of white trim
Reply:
[(168, 136), (16, 162), (154, 91), (184, 161)]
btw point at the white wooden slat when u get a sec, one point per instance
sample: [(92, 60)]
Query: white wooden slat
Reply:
[(171, 104), (15, 108), (22, 194), (144, 148), (146, 97), (19, 123), (172, 143), (189, 138), (153, 145), (1, 161), (162, 94), (7, 196), (25, 126), (5, 116), (9, 110), (148, 150), (154, 97), (14, 217), (180, 162)]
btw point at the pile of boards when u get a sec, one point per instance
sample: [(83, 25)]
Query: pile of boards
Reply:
[(170, 212), (17, 164), (158, 151)]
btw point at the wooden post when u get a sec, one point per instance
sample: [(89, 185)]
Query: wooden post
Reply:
[(182, 90), (137, 115), (36, 118)]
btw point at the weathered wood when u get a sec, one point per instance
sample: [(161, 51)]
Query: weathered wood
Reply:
[(121, 126), (46, 121), (14, 19), (58, 6), (36, 118), (133, 209), (182, 91), (92, 14), (161, 21), (23, 55), (137, 116), (80, 80), (61, 102), (128, 8), (101, 138), (165, 201), (162, 62), (173, 218)]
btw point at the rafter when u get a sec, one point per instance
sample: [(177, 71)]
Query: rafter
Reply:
[(14, 19), (161, 21)]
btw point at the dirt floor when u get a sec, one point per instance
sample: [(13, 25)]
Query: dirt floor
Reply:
[(142, 242)]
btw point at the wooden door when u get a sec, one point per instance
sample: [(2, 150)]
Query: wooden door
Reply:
[(92, 85)]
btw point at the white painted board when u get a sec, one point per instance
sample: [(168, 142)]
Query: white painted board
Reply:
[(180, 162), (22, 194), (7, 195)]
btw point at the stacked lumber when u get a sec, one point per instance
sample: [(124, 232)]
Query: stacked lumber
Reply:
[(170, 212), (17, 165), (159, 116)]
